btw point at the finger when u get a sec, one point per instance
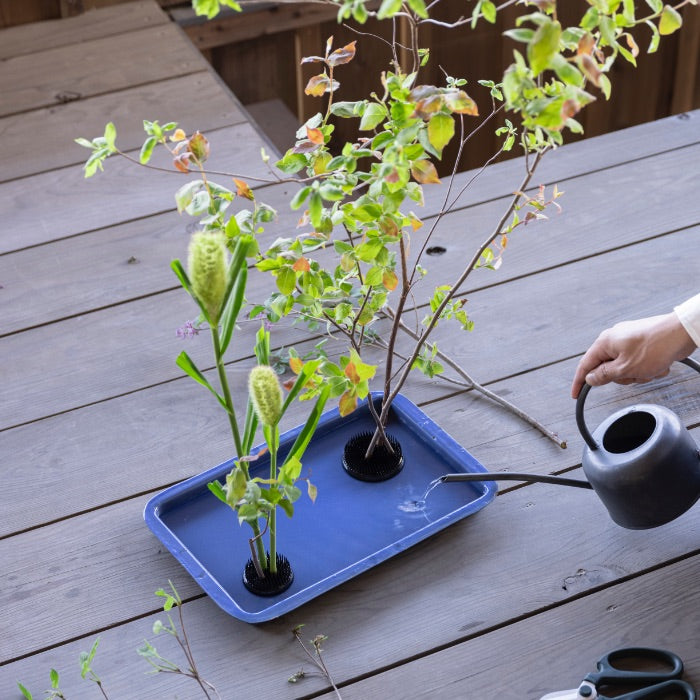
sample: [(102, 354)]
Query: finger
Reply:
[(601, 375), (589, 362)]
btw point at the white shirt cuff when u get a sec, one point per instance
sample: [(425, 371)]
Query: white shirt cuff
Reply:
[(689, 315)]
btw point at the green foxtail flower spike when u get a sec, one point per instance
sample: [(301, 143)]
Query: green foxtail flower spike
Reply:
[(207, 271), (266, 394)]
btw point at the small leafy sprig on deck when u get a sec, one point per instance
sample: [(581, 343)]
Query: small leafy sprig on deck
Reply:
[(160, 664), (316, 658), (86, 671)]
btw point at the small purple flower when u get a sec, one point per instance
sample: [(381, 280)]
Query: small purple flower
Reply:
[(189, 330)]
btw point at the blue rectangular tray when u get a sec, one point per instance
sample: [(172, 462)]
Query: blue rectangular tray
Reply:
[(352, 526)]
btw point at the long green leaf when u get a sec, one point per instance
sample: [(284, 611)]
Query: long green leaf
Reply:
[(180, 273), (304, 437), (249, 428), (234, 296), (262, 346), (186, 364), (233, 308)]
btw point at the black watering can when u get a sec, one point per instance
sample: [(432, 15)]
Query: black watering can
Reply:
[(641, 461)]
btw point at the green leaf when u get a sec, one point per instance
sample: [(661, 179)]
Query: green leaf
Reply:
[(544, 45), (179, 271), (185, 363), (374, 115), (233, 304), (388, 8), (524, 35), (315, 209), (53, 677), (419, 8), (488, 11), (300, 197), (670, 20), (25, 692), (346, 109), (147, 149), (566, 71), (291, 162), (441, 129), (286, 280), (110, 136), (218, 490)]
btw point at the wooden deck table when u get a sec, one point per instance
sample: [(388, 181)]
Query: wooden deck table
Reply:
[(513, 602)]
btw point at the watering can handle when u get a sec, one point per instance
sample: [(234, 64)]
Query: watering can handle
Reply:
[(583, 429)]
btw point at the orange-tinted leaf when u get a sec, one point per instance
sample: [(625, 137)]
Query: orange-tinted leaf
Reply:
[(347, 403), (305, 146), (295, 364), (301, 265), (390, 280), (416, 223), (586, 44), (320, 84), (344, 55), (429, 105), (420, 92), (458, 101), (569, 108), (314, 135), (178, 135), (590, 68), (389, 227), (243, 190), (182, 162), (424, 172), (351, 373), (634, 49), (312, 59), (393, 176), (199, 146), (288, 384)]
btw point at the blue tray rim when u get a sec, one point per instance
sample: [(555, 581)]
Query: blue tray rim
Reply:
[(409, 413)]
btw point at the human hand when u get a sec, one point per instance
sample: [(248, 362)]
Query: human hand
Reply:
[(633, 352)]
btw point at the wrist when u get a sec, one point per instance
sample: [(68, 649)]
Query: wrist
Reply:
[(687, 315)]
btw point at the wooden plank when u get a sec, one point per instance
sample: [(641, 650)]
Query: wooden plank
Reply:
[(580, 158), (105, 267), (134, 193), (556, 648), (560, 311), (124, 191), (83, 563), (600, 211), (270, 19), (14, 13), (55, 453), (94, 67), (50, 34), (43, 139), (277, 122), (107, 353), (87, 350)]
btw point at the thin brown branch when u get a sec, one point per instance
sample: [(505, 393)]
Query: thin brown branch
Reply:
[(471, 383)]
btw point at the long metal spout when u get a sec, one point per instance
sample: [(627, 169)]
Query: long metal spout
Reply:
[(511, 476)]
